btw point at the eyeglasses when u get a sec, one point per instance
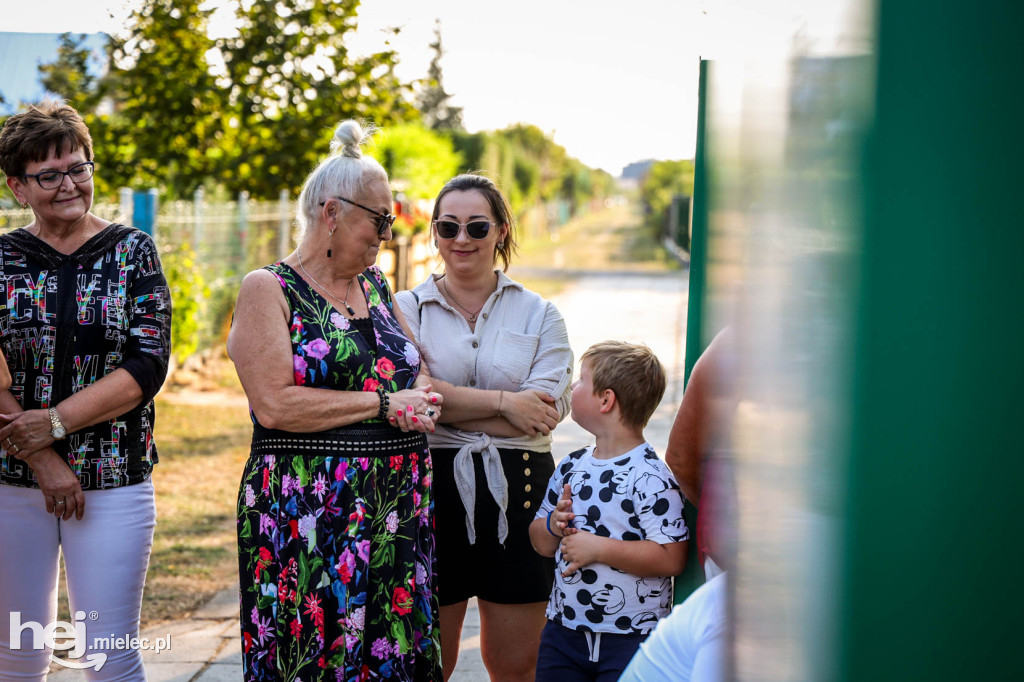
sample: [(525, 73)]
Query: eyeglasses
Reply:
[(384, 220), (54, 179), (476, 229)]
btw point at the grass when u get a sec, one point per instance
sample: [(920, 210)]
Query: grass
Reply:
[(203, 449)]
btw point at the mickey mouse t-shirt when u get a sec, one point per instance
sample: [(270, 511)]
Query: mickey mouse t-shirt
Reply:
[(631, 497)]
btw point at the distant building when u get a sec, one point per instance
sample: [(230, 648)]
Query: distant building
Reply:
[(21, 54), (637, 170)]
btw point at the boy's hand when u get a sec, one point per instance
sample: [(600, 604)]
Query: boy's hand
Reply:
[(580, 550), (562, 516)]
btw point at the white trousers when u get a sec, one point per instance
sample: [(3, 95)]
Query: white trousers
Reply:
[(106, 555)]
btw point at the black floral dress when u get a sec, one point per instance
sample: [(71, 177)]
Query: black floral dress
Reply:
[(335, 529)]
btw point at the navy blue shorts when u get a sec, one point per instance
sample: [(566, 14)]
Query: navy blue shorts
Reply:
[(569, 655)]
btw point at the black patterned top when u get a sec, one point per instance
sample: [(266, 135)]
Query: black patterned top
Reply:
[(67, 321)]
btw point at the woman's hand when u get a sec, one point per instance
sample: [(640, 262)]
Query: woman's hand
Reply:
[(28, 431), (415, 409), (59, 485), (530, 411)]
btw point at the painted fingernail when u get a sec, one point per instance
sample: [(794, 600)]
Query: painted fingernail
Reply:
[(415, 420), (391, 419), (433, 399), (409, 408)]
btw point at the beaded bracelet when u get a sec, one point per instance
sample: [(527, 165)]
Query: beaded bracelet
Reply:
[(385, 403), (549, 525)]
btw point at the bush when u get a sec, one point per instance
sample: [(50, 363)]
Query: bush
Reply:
[(188, 291)]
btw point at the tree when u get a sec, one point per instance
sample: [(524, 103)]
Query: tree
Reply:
[(165, 128), (418, 158), (290, 80), (68, 76), (433, 100), (664, 180)]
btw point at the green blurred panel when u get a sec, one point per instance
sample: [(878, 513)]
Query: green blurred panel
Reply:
[(692, 576), (930, 589)]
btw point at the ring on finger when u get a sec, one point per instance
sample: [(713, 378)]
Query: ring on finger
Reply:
[(430, 412), (15, 448), (59, 502)]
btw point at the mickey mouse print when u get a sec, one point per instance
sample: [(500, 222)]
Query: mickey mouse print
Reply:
[(630, 497)]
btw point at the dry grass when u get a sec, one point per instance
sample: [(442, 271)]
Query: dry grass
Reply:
[(203, 449)]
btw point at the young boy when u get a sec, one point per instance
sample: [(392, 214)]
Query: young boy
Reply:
[(613, 519)]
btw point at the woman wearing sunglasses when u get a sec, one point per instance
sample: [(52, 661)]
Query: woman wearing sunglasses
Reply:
[(85, 327), (500, 356), (334, 507)]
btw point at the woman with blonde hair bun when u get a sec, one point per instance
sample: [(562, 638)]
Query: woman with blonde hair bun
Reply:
[(335, 525)]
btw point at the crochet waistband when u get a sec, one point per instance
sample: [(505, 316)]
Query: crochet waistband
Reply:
[(357, 440)]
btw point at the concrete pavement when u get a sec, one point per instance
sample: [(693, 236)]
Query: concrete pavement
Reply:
[(631, 307)]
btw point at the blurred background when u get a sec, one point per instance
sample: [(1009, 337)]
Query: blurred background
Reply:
[(834, 182)]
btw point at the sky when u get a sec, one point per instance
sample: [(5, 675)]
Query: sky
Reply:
[(612, 81)]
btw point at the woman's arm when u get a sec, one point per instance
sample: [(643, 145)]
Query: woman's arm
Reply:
[(5, 374), (537, 408), (261, 349)]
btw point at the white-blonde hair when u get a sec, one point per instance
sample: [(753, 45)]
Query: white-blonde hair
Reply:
[(342, 173)]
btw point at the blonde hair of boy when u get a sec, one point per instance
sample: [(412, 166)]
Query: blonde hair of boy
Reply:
[(633, 372)]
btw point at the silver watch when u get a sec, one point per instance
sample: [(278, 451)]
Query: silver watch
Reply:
[(57, 429)]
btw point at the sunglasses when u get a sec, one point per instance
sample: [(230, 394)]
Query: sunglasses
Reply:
[(383, 222), (476, 229)]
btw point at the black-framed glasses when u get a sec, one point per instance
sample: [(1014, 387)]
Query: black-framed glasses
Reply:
[(384, 220), (476, 229), (54, 179)]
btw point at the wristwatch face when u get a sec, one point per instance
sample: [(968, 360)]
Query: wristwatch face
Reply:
[(57, 432)]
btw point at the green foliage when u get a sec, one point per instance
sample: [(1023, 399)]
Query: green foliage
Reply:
[(68, 75), (417, 159), (530, 167), (188, 291), (165, 126), (290, 79), (663, 180)]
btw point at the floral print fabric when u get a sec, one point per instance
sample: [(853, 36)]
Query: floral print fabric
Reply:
[(336, 553)]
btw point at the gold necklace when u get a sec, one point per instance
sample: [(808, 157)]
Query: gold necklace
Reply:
[(472, 315), (302, 267)]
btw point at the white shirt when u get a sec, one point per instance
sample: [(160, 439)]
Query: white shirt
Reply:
[(630, 497), (519, 343)]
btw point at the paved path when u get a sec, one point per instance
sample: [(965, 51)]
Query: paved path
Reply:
[(625, 306)]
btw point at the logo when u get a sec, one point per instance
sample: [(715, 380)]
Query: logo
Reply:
[(71, 637), (60, 636)]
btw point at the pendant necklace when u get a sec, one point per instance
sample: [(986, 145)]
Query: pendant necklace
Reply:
[(302, 267), (472, 315)]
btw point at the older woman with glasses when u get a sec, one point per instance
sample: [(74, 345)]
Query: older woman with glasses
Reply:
[(86, 331), (500, 356), (335, 523)]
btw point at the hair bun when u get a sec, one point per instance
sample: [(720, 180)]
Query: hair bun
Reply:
[(350, 136)]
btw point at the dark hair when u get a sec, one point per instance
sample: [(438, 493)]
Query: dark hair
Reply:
[(499, 206), (33, 134)]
